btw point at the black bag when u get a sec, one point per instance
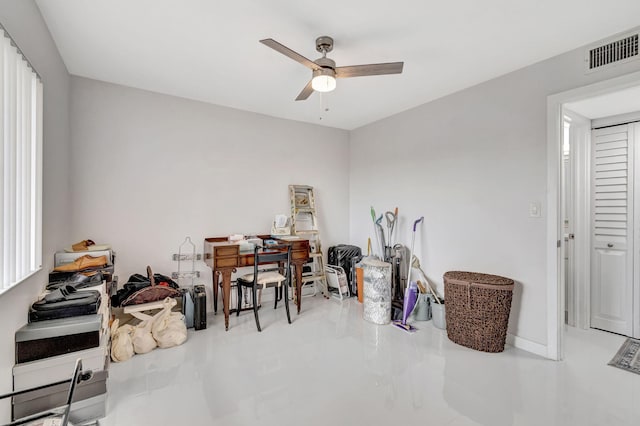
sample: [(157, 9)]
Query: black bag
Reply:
[(65, 302), (158, 278), (137, 282), (78, 280), (346, 256)]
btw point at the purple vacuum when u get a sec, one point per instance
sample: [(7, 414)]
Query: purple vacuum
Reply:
[(411, 293)]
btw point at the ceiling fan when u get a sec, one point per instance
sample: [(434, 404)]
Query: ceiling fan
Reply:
[(324, 70)]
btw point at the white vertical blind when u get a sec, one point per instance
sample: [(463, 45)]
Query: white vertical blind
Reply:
[(20, 165)]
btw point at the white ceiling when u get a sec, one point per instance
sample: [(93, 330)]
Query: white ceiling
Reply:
[(614, 103), (208, 50)]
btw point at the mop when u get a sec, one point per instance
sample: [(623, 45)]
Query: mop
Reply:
[(375, 230), (380, 233), (391, 223), (411, 295)]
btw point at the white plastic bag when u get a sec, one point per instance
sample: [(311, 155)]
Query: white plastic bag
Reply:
[(121, 344), (142, 339), (168, 327)]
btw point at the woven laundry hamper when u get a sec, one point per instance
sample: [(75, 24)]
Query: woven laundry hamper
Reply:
[(477, 309)]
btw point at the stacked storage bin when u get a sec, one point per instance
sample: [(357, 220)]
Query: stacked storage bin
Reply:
[(46, 352)]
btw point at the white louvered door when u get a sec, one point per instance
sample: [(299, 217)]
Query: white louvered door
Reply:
[(612, 229)]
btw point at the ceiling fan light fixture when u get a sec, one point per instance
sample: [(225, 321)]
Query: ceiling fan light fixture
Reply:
[(324, 70), (323, 80)]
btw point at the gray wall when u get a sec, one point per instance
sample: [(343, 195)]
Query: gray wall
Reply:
[(471, 163), (149, 169), (145, 170), (23, 21)]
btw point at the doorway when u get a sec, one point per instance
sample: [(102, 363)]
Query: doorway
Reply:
[(599, 262), (557, 303)]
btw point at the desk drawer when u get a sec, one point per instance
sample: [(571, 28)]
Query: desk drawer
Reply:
[(299, 254), (226, 262), (246, 260), (230, 250)]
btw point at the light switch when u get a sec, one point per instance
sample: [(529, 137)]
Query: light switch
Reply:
[(535, 209)]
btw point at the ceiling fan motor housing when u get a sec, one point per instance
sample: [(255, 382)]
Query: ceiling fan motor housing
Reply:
[(326, 63), (324, 44), (324, 71)]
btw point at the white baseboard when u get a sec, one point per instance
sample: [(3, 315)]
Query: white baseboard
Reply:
[(527, 345)]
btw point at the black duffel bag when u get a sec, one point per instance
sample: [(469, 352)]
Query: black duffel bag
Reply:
[(141, 289)]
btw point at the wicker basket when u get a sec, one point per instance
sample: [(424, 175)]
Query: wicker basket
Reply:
[(478, 308)]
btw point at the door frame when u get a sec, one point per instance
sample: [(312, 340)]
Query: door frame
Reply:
[(634, 131), (568, 177), (580, 134), (555, 238)]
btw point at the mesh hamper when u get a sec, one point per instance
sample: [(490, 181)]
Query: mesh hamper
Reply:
[(477, 309)]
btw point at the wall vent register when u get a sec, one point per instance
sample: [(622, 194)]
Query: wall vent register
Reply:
[(612, 52)]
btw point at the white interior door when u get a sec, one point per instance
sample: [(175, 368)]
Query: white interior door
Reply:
[(612, 230)]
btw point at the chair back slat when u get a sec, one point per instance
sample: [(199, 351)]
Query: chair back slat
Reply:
[(273, 254)]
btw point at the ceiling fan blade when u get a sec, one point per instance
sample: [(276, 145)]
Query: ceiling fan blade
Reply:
[(369, 69), (290, 53), (306, 92)]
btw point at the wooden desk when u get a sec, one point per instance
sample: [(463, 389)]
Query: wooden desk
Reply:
[(224, 258)]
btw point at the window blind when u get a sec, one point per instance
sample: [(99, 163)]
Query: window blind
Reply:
[(21, 94)]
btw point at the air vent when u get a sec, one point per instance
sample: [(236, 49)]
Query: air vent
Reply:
[(615, 52)]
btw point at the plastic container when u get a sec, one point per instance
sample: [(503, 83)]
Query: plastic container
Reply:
[(438, 314), (423, 307)]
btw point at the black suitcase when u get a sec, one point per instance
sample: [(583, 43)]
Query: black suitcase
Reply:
[(346, 256), (199, 307)]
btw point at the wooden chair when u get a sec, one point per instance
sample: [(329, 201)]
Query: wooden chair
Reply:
[(275, 277)]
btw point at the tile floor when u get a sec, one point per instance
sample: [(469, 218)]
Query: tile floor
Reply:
[(332, 368)]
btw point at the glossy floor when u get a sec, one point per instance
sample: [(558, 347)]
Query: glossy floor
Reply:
[(332, 368)]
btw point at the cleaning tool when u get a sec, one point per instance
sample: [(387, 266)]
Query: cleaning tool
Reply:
[(410, 299), (416, 264), (380, 232), (411, 294), (391, 222), (413, 241), (395, 220), (375, 230)]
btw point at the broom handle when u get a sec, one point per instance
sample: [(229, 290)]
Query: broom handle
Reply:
[(426, 280), (413, 240)]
